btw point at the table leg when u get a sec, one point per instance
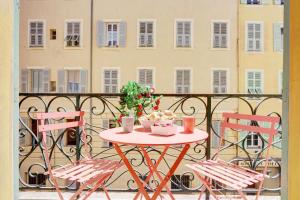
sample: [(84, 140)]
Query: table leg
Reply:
[(153, 169), (171, 171), (156, 165), (131, 171)]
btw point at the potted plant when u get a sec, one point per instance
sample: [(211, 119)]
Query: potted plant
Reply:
[(135, 99)]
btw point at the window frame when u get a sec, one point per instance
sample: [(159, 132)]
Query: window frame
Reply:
[(146, 68), (261, 39), (81, 33), (227, 34), (44, 34), (227, 79), (192, 33), (103, 78), (175, 79), (153, 34), (106, 23), (262, 79)]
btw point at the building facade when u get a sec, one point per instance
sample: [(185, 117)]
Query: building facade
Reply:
[(79, 47)]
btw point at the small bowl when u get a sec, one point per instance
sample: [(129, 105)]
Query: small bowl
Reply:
[(146, 124)]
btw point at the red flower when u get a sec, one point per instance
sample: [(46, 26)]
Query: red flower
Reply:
[(140, 106), (140, 96), (148, 95), (139, 113), (157, 102), (155, 107)]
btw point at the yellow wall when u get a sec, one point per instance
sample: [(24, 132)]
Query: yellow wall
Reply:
[(6, 105), (294, 106)]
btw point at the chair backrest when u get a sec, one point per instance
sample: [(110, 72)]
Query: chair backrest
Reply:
[(233, 121), (44, 126)]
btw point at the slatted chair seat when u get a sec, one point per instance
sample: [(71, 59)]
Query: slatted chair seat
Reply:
[(227, 173), (85, 170)]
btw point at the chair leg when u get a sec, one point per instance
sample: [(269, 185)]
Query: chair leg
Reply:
[(206, 184), (259, 190), (97, 185), (242, 195), (56, 187)]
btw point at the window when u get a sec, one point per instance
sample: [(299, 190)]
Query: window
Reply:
[(37, 179), (183, 34), (279, 2), (183, 81), (219, 81), (111, 34), (72, 35), (254, 82), (253, 141), (178, 182), (254, 37), (35, 80), (52, 34), (220, 35), (254, 1), (216, 134), (72, 81), (36, 34), (278, 37), (146, 77), (110, 81), (146, 34)]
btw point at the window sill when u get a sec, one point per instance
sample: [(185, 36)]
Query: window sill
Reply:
[(145, 48), (36, 48), (73, 48), (183, 48), (220, 49)]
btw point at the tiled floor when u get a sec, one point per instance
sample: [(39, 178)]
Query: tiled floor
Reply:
[(114, 195)]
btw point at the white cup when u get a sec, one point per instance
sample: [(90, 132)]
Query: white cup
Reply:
[(128, 124)]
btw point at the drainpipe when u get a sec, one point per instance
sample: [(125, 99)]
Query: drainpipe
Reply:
[(91, 56)]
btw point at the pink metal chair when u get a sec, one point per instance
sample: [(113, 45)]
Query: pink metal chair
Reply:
[(229, 174), (87, 172)]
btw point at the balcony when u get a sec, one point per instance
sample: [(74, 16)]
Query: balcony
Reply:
[(102, 109)]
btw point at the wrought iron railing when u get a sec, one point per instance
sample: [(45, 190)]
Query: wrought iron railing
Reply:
[(246, 150)]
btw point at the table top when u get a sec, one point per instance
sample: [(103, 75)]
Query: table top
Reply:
[(140, 136)]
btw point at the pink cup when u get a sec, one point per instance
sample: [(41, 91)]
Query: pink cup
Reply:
[(128, 124), (188, 124)]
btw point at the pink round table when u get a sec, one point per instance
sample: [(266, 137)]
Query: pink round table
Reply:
[(141, 138)]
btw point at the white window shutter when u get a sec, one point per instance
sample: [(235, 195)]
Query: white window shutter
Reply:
[(250, 37), (122, 37), (215, 133), (101, 34), (223, 81), (61, 82), (216, 82), (83, 81), (243, 1), (149, 77), (24, 80), (46, 80), (142, 76), (277, 37), (265, 1), (105, 126)]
